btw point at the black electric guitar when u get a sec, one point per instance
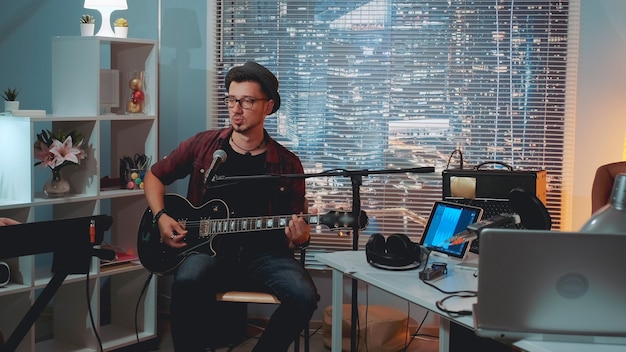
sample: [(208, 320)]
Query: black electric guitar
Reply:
[(209, 220)]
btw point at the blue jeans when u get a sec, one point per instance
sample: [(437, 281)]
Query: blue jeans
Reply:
[(200, 276)]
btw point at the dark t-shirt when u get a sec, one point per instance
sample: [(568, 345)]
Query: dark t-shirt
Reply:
[(246, 197), (238, 193)]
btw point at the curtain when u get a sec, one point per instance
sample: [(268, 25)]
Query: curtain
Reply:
[(398, 84)]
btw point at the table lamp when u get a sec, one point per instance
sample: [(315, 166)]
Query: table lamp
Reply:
[(106, 7), (612, 217)]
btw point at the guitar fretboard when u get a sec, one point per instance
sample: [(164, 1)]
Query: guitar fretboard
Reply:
[(222, 226)]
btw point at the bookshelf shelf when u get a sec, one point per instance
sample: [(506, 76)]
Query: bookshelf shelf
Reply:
[(109, 135)]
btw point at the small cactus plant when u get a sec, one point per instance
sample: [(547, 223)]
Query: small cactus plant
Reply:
[(87, 19)]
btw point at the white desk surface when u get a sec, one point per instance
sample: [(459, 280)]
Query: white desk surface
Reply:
[(407, 285)]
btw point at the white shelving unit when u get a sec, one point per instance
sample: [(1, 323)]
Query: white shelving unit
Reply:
[(115, 291)]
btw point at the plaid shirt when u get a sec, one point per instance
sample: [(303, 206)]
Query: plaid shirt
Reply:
[(194, 156)]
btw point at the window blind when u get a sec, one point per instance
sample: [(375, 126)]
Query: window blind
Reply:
[(397, 84)]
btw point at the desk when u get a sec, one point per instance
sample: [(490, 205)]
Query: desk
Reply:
[(407, 285), (404, 284)]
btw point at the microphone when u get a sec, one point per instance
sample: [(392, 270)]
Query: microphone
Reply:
[(218, 158), (473, 230)]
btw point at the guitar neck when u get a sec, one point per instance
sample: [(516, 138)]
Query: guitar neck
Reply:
[(260, 223)]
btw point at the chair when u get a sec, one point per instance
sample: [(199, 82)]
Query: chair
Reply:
[(603, 183), (264, 298)]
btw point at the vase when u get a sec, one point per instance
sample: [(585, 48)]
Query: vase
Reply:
[(136, 103), (57, 186)]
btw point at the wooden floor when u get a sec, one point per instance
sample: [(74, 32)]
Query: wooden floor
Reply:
[(425, 344)]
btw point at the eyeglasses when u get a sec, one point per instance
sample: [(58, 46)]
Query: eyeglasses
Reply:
[(245, 102)]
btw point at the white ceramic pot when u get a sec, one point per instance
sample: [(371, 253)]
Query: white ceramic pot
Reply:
[(121, 32), (87, 29), (11, 105)]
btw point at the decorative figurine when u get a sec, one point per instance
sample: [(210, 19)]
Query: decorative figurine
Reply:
[(136, 103)]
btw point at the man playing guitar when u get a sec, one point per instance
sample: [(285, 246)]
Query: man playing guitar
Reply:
[(253, 260)]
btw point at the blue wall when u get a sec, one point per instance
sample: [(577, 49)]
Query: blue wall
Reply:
[(26, 28), (183, 74)]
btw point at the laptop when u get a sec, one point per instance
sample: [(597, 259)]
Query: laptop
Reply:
[(551, 286), (447, 219)]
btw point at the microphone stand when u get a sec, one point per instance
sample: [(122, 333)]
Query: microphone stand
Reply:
[(356, 178)]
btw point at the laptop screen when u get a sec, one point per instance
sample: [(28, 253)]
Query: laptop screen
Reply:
[(447, 219)]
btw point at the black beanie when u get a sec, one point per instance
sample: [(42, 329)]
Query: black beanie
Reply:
[(251, 71)]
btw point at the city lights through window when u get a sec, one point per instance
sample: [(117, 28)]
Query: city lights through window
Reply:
[(394, 84)]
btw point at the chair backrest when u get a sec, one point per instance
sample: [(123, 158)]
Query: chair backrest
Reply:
[(603, 183)]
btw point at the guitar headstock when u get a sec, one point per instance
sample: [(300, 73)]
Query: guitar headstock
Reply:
[(341, 220)]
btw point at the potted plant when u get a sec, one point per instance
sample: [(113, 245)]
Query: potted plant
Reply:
[(87, 25), (10, 96), (121, 27)]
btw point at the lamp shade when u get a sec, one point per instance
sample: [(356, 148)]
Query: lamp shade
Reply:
[(113, 4), (106, 7)]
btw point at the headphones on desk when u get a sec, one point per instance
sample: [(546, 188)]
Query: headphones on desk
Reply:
[(396, 252)]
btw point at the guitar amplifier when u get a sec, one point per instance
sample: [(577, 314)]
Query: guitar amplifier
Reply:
[(490, 189), (485, 185)]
